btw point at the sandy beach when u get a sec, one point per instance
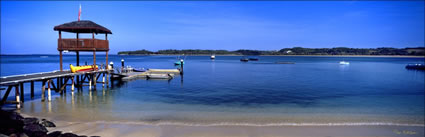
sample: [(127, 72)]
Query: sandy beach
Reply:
[(107, 129), (138, 129)]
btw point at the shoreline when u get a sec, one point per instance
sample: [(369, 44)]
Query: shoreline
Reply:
[(283, 124), (400, 56), (107, 129), (383, 56), (131, 128)]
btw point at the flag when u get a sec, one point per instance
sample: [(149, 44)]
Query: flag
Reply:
[(79, 13)]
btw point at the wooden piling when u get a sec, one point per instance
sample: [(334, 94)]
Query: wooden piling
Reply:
[(181, 67), (94, 80), (32, 89), (18, 106), (3, 100), (78, 64), (60, 59), (72, 85), (49, 94), (64, 81), (43, 90), (90, 83), (107, 79), (22, 91), (103, 80), (58, 84)]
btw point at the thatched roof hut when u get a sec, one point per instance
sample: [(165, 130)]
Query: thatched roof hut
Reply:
[(91, 45), (83, 26)]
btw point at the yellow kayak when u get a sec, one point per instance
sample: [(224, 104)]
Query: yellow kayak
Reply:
[(82, 68)]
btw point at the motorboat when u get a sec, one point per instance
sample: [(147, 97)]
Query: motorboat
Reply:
[(244, 59), (344, 63), (139, 70), (415, 66)]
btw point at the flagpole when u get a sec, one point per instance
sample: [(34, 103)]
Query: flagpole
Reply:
[(79, 13)]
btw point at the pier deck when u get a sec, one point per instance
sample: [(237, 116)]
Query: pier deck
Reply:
[(15, 79), (47, 81)]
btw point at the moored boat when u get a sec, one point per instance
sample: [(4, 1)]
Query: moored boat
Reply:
[(344, 63), (244, 59), (82, 68), (415, 66), (139, 70), (212, 57)]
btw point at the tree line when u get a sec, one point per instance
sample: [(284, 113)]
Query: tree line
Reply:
[(419, 51)]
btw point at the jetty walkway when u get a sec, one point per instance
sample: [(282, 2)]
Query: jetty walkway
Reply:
[(55, 80)]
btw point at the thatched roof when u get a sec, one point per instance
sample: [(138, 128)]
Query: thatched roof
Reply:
[(83, 26)]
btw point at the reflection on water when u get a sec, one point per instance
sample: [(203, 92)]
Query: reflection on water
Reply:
[(314, 89)]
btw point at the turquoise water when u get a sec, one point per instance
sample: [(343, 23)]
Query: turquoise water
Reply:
[(314, 90)]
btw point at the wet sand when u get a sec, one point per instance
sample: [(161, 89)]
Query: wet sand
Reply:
[(113, 129)]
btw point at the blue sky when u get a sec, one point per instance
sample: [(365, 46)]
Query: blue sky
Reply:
[(27, 27)]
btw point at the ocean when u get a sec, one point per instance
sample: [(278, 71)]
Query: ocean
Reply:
[(316, 90)]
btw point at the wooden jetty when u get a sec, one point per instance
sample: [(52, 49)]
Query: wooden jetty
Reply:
[(62, 77), (134, 75)]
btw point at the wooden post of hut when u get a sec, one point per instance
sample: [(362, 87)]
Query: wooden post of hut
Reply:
[(81, 44)]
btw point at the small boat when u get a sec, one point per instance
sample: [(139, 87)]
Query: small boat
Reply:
[(244, 59), (160, 76), (82, 68), (344, 63), (212, 57), (253, 59), (415, 66), (139, 70)]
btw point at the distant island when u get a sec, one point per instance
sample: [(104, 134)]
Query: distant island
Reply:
[(417, 51)]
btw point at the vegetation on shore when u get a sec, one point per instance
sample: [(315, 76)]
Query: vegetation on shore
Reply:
[(419, 51)]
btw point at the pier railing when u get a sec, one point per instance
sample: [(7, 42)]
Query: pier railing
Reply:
[(83, 44)]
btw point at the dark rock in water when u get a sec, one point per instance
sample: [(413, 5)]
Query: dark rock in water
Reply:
[(28, 121), (68, 135), (8, 125), (15, 116), (46, 123), (55, 134), (34, 130)]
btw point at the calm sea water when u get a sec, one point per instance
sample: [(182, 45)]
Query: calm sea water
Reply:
[(314, 90)]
